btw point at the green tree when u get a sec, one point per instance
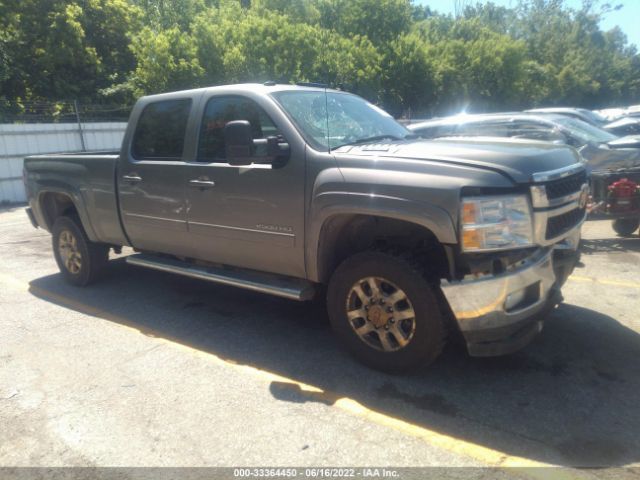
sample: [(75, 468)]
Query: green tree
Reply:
[(380, 20), (254, 45), (409, 77), (165, 14), (406, 56), (352, 63), (167, 60), (60, 49), (264, 45), (587, 66), (473, 66), (300, 11), (4, 62)]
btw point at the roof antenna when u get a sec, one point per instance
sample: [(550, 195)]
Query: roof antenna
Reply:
[(326, 110), (326, 83)]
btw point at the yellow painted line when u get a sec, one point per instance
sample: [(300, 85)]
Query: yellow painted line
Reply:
[(615, 283), (485, 455)]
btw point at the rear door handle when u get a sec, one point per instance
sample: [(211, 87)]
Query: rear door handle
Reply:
[(133, 178), (202, 183)]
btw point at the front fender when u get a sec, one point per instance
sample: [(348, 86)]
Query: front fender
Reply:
[(329, 204)]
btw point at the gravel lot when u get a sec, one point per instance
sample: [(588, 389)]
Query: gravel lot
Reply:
[(151, 369)]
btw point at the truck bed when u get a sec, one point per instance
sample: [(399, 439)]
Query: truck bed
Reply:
[(89, 178)]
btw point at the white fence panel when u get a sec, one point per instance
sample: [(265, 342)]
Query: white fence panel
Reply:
[(18, 141)]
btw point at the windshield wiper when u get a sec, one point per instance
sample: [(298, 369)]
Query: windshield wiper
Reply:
[(370, 139)]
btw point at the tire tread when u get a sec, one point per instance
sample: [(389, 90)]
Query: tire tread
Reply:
[(98, 254)]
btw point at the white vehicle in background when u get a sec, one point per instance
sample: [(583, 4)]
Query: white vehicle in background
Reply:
[(601, 149), (620, 125)]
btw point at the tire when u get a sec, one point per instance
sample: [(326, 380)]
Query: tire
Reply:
[(625, 227), (410, 342), (80, 261)]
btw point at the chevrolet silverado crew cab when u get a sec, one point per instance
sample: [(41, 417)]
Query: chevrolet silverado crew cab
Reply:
[(287, 189)]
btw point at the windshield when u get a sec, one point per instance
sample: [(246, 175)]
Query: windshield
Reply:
[(585, 132), (594, 116), (350, 118)]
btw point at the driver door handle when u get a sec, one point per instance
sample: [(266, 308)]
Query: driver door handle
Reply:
[(132, 178), (202, 183)]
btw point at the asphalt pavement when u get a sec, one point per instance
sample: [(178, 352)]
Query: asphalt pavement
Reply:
[(151, 369)]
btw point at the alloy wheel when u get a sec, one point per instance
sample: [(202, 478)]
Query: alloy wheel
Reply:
[(381, 314)]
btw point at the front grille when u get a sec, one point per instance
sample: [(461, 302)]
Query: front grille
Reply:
[(563, 223), (565, 186)]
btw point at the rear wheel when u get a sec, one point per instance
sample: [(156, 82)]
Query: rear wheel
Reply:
[(79, 260), (385, 311), (625, 227)]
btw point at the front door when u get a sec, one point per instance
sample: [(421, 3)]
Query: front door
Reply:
[(151, 179), (245, 216)]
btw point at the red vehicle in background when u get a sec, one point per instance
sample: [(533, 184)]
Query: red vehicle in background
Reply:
[(617, 193)]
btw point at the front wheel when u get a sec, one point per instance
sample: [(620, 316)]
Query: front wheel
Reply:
[(79, 259), (385, 312), (625, 227)]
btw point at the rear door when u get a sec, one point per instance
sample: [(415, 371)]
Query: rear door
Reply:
[(151, 178), (247, 216)]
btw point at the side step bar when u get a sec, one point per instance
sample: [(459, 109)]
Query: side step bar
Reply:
[(291, 288)]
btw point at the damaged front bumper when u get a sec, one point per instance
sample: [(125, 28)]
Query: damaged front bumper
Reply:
[(500, 314)]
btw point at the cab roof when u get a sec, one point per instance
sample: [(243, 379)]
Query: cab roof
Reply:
[(259, 88)]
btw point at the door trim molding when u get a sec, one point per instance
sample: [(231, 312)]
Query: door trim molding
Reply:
[(254, 230)]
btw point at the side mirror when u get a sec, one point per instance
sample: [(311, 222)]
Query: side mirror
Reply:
[(242, 149), (238, 140)]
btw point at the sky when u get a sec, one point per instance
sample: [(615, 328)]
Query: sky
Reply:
[(626, 18)]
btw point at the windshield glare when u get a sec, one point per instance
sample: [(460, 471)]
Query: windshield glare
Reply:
[(595, 116), (584, 131), (350, 118)]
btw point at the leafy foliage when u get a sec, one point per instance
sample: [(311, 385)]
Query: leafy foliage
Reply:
[(65, 49), (405, 56)]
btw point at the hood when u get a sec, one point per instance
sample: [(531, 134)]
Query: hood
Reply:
[(518, 159)]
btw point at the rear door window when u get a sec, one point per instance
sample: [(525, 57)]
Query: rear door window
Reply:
[(161, 130)]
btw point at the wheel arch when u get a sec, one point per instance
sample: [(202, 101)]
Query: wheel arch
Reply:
[(54, 203), (344, 234), (336, 217)]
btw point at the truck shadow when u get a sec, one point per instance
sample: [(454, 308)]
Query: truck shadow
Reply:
[(570, 398)]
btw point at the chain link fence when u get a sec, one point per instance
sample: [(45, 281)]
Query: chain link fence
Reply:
[(62, 112)]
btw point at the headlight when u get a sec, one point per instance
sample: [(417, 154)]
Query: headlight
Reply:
[(496, 223)]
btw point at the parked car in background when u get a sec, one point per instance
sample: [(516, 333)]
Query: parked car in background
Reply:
[(600, 149), (612, 114), (633, 111), (624, 126), (621, 126), (583, 114)]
